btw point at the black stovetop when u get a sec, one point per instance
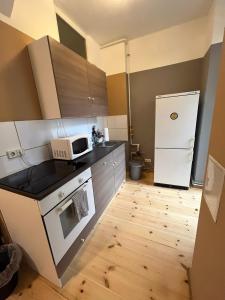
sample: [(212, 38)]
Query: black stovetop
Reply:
[(38, 178)]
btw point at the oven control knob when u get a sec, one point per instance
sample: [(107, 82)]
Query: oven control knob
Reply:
[(61, 195), (80, 180)]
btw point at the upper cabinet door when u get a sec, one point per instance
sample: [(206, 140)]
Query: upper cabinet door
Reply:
[(71, 79), (67, 85), (97, 89)]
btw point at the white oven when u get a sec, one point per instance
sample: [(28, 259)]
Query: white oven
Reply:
[(72, 147), (69, 217)]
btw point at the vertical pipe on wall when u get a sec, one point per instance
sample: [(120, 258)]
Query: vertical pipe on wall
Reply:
[(127, 65)]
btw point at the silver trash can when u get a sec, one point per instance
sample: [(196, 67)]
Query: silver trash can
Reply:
[(135, 169)]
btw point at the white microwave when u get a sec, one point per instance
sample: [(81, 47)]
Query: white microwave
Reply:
[(71, 147)]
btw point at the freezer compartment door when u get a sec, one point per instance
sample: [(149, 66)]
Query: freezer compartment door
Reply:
[(176, 121), (173, 166)]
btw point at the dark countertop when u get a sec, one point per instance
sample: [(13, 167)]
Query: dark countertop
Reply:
[(41, 180)]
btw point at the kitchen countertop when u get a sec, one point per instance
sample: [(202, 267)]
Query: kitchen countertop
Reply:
[(40, 180)]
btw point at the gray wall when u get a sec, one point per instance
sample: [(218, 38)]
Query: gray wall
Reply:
[(145, 85), (210, 68)]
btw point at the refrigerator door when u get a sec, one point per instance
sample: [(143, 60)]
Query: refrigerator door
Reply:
[(176, 121), (173, 166)]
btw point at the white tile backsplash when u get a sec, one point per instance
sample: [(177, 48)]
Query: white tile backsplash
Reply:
[(118, 134), (118, 127), (37, 155), (34, 138), (117, 121), (31, 157), (10, 166), (78, 126), (8, 137), (101, 123), (36, 133)]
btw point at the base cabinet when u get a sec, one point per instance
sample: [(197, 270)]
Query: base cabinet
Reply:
[(103, 183), (107, 176), (119, 162)]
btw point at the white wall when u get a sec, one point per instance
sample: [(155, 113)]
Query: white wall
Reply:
[(33, 17), (176, 44), (93, 48), (37, 18), (114, 59), (169, 46), (217, 21)]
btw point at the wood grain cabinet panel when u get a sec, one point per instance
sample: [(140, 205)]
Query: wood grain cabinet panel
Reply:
[(97, 89), (68, 85), (71, 79), (117, 91), (107, 176), (103, 183), (119, 163)]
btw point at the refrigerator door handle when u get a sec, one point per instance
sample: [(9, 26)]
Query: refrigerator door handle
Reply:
[(192, 142), (190, 155)]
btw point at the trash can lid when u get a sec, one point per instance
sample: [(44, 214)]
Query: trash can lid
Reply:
[(136, 163)]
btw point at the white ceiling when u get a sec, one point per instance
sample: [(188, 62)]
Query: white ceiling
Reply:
[(110, 20)]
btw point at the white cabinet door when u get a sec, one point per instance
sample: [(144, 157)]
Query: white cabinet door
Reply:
[(173, 166), (176, 121)]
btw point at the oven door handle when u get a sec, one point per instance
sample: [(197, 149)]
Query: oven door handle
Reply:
[(64, 206)]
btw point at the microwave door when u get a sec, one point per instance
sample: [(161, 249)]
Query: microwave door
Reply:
[(80, 145)]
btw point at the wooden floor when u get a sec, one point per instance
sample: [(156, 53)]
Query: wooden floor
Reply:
[(140, 250)]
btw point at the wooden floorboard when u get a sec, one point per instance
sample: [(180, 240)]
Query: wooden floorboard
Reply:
[(139, 250)]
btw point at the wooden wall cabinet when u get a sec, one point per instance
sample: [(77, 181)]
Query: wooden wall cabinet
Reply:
[(97, 89), (68, 85), (117, 91)]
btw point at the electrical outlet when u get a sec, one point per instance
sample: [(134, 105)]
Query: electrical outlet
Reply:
[(14, 153), (148, 160)]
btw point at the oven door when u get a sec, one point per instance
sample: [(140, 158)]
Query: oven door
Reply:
[(67, 220)]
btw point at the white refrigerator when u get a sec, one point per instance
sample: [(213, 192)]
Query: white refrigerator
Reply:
[(175, 124)]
